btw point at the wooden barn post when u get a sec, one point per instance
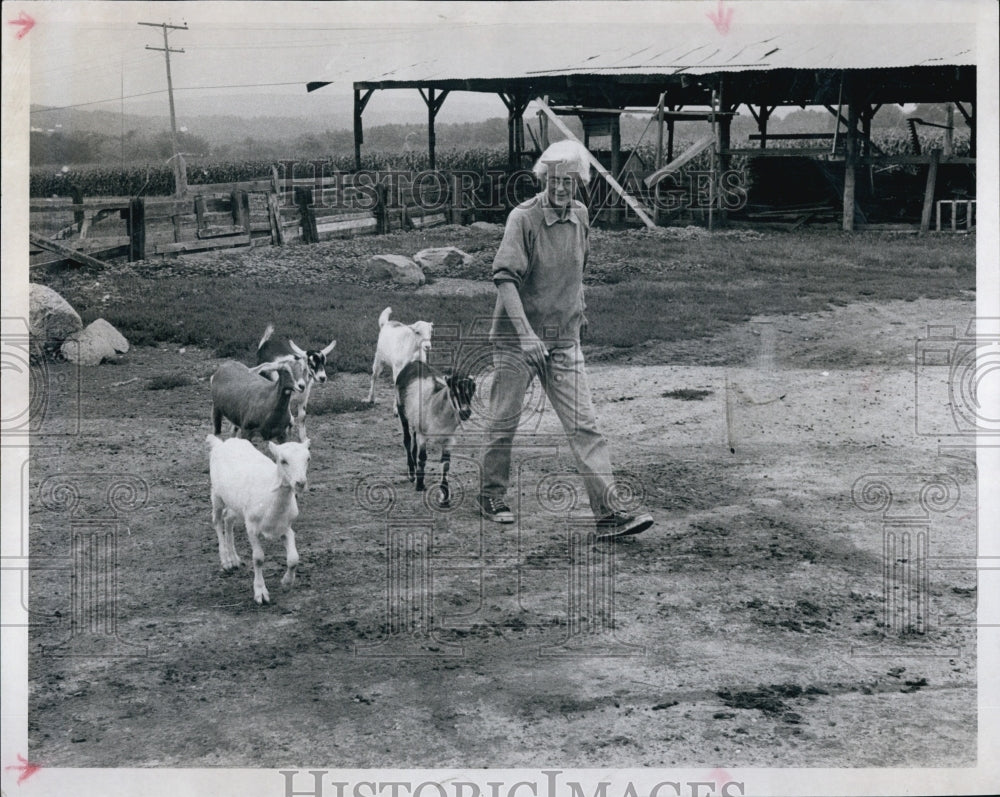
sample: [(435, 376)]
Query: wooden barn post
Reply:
[(850, 162), (616, 160), (932, 170), (659, 133), (359, 135), (509, 103), (725, 159)]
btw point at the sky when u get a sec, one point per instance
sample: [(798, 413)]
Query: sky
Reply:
[(255, 58)]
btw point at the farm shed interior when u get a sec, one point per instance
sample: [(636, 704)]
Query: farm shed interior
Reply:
[(688, 73)]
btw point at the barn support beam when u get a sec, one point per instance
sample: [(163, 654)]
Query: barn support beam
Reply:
[(761, 120), (433, 104), (929, 188), (970, 120), (850, 163), (616, 160), (515, 128), (659, 132), (360, 101)]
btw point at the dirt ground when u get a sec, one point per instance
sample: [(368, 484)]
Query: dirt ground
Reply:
[(748, 627)]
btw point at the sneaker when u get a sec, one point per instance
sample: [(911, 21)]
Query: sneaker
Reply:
[(622, 524), (495, 509)]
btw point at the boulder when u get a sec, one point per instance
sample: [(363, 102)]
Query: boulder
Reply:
[(442, 258), (94, 344), (395, 268), (485, 226), (50, 317)]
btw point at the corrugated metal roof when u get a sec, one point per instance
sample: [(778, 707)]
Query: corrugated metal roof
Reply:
[(527, 51)]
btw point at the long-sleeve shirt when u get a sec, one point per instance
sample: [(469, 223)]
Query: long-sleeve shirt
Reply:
[(544, 253)]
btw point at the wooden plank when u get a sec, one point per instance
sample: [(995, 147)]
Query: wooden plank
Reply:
[(789, 136), (44, 259), (263, 184), (354, 224), (629, 199), (686, 156), (194, 246), (43, 206), (795, 152), (70, 254), (219, 232), (932, 170)]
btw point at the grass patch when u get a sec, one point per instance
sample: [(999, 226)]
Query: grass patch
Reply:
[(644, 289), (229, 316), (169, 381)]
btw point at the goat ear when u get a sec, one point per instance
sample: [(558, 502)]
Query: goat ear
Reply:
[(305, 442), (329, 348), (296, 349)]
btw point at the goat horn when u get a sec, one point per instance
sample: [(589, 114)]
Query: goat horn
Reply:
[(328, 349), (296, 349)]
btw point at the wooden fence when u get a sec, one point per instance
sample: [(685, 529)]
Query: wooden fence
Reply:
[(250, 213)]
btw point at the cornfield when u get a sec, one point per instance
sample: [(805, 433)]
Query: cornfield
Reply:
[(158, 180)]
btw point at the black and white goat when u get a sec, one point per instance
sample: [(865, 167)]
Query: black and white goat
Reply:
[(251, 401), (431, 406), (309, 365)]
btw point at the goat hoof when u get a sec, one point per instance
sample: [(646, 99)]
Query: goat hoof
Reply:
[(420, 487), (262, 598)]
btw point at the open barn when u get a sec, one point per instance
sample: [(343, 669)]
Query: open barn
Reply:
[(680, 75)]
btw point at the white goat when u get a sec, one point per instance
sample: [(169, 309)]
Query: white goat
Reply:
[(399, 344), (250, 489), (309, 364), (251, 402), (433, 405)]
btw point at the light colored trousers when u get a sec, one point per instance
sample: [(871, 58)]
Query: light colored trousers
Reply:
[(565, 383)]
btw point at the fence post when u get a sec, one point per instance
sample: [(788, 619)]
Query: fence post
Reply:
[(304, 197), (135, 223), (274, 216), (457, 201), (381, 209), (241, 218)]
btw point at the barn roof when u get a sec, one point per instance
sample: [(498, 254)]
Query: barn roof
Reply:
[(523, 51), (639, 60)]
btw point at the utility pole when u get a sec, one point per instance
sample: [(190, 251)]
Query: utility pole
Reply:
[(180, 171)]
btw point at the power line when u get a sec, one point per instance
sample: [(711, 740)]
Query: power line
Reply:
[(97, 102), (163, 91)]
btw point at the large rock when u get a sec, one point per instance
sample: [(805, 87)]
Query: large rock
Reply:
[(94, 344), (442, 258), (485, 226), (395, 268), (51, 319)]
